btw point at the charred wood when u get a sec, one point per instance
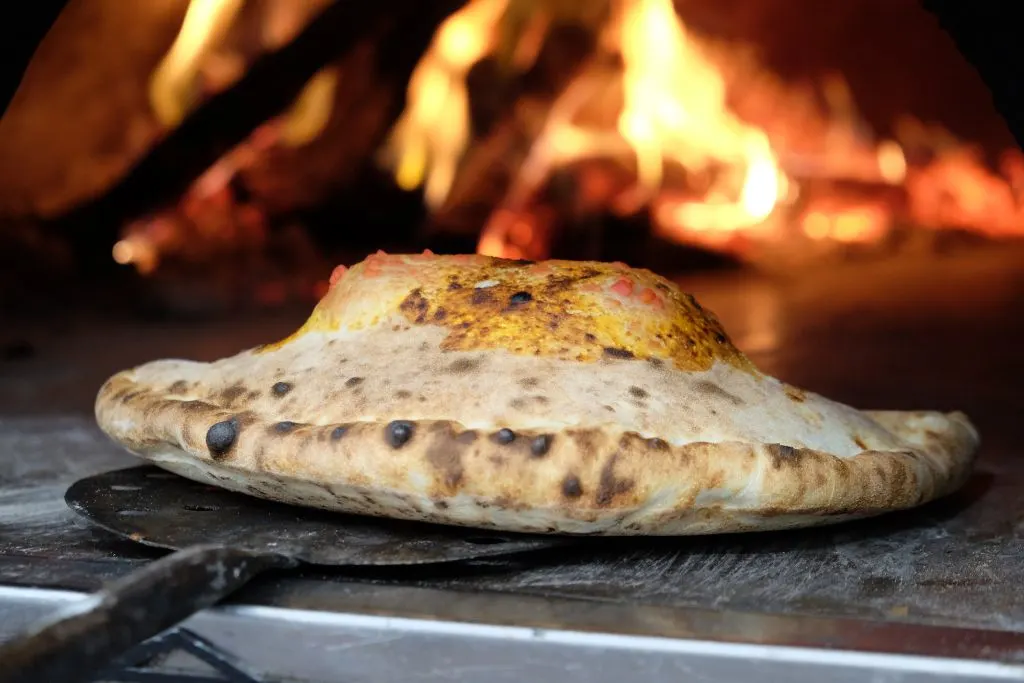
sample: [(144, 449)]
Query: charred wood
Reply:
[(227, 118)]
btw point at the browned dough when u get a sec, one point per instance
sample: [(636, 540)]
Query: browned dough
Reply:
[(564, 397)]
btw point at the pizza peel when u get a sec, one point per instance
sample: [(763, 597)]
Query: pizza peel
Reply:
[(220, 540)]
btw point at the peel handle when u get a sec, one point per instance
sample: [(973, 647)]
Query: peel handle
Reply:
[(83, 638)]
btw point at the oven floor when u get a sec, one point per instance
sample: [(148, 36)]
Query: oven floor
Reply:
[(936, 332)]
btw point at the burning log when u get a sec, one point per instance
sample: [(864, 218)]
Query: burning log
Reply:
[(654, 99), (226, 119)]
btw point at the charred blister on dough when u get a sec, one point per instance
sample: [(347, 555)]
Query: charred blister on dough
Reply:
[(415, 306), (353, 382), (781, 454), (403, 394), (520, 298), (399, 432), (464, 365), (609, 486), (795, 394), (540, 445), (467, 436), (504, 436), (284, 426), (529, 382), (281, 388), (221, 437), (711, 389), (618, 353), (656, 444), (638, 392), (195, 407), (179, 387), (572, 488), (232, 393), (445, 453), (588, 443), (482, 297)]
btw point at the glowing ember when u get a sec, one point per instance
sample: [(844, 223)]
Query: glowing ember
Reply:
[(847, 223), (958, 191), (892, 164)]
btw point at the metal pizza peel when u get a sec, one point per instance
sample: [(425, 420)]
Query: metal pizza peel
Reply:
[(221, 540)]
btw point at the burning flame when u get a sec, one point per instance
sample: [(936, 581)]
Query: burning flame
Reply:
[(175, 87), (172, 89), (430, 137), (675, 108), (717, 150), (675, 111)]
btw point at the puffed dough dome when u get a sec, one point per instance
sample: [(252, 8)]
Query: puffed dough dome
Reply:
[(562, 397)]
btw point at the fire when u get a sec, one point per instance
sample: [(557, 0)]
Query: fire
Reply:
[(846, 223), (430, 137), (175, 86), (750, 176), (673, 111), (198, 64), (656, 119), (958, 191), (172, 90)]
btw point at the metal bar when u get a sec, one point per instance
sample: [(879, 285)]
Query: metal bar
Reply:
[(382, 633)]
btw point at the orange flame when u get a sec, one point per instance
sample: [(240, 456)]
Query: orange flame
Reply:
[(174, 88), (429, 138), (675, 110)]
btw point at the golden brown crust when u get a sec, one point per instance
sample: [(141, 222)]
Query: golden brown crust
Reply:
[(585, 480), (572, 310)]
